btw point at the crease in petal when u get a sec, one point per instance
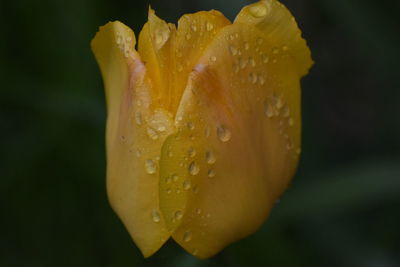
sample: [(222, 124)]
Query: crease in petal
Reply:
[(134, 136)]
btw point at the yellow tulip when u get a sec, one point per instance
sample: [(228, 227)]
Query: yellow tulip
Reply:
[(203, 127)]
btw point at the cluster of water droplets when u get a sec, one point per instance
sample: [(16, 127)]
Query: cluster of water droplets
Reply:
[(124, 43)]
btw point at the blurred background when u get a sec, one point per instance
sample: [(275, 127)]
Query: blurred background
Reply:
[(342, 209)]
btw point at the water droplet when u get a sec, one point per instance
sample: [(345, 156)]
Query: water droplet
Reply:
[(195, 189), (152, 133), (191, 152), (211, 173), (168, 180), (169, 191), (289, 145), (242, 63), (275, 51), (290, 121), (258, 10), (277, 101), (208, 215), (268, 110), (261, 79), (179, 67), (194, 28), (187, 236), (119, 39), (138, 153), (246, 46), (265, 58), (194, 168), (209, 26), (252, 61), (186, 185), (155, 215), (175, 177), (207, 132), (252, 77), (285, 48), (170, 154), (198, 211), (210, 157), (150, 166), (223, 133), (190, 125), (235, 67), (188, 36), (285, 111), (213, 58), (138, 118), (194, 252), (233, 50), (260, 40), (161, 128), (178, 191), (178, 215)]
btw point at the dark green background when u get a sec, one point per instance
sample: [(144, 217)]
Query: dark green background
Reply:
[(341, 210)]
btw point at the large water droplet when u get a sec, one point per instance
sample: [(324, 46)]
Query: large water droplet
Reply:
[(155, 215), (150, 166), (223, 133), (210, 157), (187, 236), (178, 215), (213, 58), (194, 168), (258, 10)]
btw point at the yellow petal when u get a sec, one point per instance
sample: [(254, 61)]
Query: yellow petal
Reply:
[(240, 113), (135, 133), (156, 41)]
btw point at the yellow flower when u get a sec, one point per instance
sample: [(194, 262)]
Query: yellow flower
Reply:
[(203, 127)]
